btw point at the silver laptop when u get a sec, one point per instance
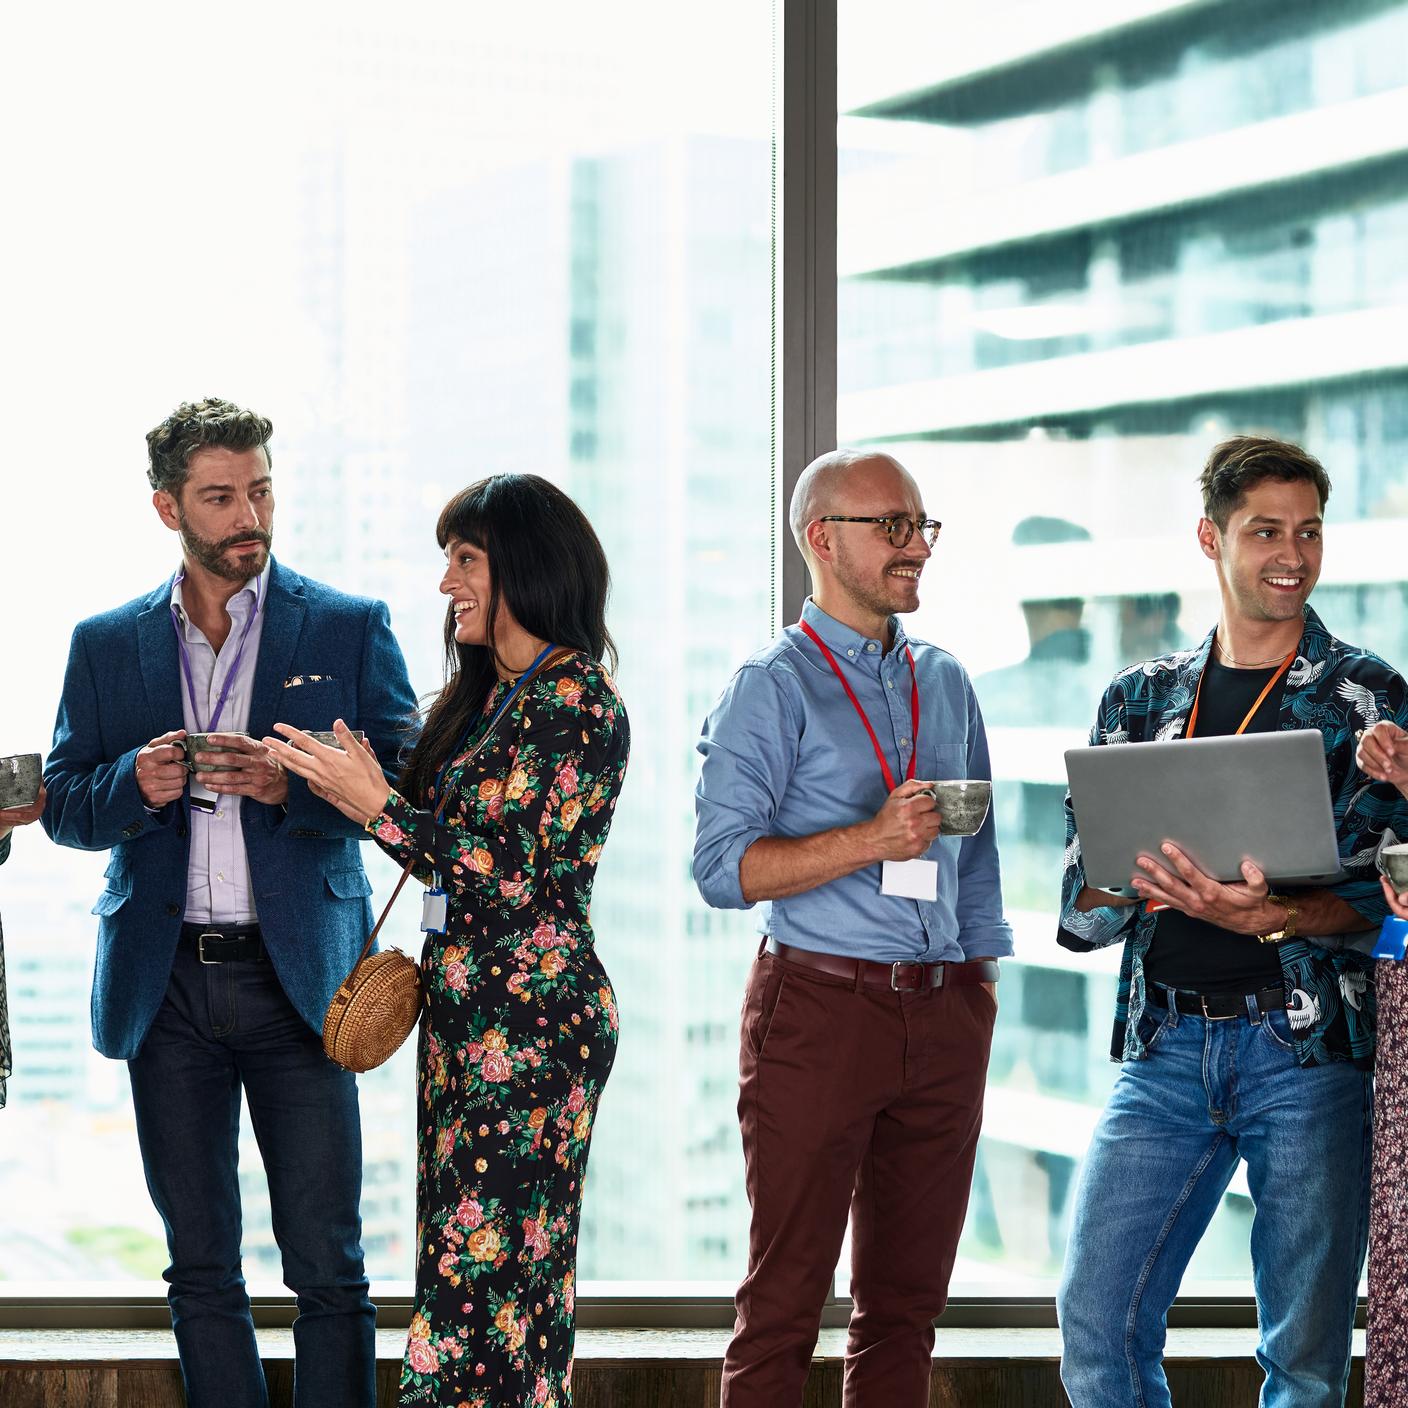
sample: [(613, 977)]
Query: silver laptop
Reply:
[(1263, 797)]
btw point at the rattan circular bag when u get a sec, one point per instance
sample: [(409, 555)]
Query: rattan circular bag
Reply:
[(374, 1011)]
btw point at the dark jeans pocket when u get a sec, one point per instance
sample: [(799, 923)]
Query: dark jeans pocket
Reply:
[(760, 1001)]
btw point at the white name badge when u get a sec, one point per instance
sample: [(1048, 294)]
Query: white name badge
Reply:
[(202, 798), (910, 879), (433, 912)]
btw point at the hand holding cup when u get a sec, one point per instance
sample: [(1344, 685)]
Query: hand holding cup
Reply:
[(905, 827), (347, 776), (11, 817), (1383, 754), (161, 769), (236, 765)]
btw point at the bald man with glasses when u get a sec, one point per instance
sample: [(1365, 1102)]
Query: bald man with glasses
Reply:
[(869, 1012)]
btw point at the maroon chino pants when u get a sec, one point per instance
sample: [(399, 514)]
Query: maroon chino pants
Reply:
[(863, 1101)]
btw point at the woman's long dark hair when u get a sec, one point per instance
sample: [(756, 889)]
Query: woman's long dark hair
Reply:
[(546, 565)]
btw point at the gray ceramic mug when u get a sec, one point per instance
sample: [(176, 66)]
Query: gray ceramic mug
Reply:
[(328, 737), (20, 776), (1393, 862), (195, 743), (962, 804)]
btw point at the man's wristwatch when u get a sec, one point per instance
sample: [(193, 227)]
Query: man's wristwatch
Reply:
[(1288, 930)]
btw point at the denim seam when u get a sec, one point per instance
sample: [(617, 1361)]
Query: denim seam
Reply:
[(1147, 1269)]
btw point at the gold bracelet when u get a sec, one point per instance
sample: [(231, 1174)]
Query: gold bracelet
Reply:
[(1288, 929)]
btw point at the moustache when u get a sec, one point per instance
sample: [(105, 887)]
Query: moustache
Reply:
[(265, 539)]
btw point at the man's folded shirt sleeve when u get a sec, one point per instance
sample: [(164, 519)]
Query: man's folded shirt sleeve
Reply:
[(749, 743), (1095, 928)]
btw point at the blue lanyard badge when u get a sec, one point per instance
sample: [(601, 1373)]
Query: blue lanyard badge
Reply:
[(434, 910)]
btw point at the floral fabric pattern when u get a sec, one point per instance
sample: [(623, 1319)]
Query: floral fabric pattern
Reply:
[(518, 1039), (1386, 1363)]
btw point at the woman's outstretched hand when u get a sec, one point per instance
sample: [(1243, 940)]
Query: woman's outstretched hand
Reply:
[(348, 778), (1383, 754)]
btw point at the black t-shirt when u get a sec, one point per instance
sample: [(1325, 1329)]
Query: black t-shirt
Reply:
[(1187, 952)]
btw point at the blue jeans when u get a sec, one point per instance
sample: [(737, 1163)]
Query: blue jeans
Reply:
[(221, 1027), (1209, 1093)]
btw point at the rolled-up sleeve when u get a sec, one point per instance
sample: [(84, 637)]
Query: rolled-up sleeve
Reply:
[(1084, 930), (983, 931), (749, 743)]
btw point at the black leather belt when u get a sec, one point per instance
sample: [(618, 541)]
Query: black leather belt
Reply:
[(224, 943), (1216, 1006), (898, 977)]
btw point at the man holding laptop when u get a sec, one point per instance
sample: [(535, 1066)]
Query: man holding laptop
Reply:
[(1245, 1016)]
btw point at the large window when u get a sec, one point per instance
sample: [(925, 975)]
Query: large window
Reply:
[(1078, 245), (431, 243)]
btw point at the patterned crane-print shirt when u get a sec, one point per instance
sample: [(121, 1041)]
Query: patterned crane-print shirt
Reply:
[(1338, 689)]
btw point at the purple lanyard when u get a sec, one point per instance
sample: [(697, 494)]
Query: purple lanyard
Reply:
[(234, 669)]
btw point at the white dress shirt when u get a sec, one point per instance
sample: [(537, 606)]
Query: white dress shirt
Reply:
[(218, 885)]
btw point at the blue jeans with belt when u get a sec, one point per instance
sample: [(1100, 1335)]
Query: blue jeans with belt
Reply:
[(1209, 1093), (220, 1028)]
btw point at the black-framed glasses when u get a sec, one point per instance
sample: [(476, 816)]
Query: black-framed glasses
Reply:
[(899, 527)]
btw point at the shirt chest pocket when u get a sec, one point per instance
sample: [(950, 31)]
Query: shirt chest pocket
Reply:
[(942, 762)]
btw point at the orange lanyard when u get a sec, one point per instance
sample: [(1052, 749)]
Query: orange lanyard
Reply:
[(1152, 906), (1260, 699)]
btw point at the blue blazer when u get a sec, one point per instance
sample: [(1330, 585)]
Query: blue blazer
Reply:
[(322, 655)]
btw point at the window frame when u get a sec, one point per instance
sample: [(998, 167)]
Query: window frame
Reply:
[(805, 420)]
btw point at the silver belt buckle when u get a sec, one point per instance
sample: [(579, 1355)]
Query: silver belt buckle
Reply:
[(1230, 1017), (895, 974), (200, 950)]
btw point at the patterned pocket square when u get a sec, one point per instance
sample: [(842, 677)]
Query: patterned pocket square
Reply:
[(293, 681)]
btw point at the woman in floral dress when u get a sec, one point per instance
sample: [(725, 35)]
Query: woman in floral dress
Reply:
[(1383, 755), (521, 1026)]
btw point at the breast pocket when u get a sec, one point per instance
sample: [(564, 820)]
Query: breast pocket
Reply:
[(943, 762), (313, 703)]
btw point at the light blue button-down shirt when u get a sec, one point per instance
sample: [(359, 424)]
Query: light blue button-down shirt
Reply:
[(785, 754), (218, 885)]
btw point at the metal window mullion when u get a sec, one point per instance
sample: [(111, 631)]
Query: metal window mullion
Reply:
[(806, 260)]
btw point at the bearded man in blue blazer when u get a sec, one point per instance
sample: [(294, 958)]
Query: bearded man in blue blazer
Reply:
[(236, 901)]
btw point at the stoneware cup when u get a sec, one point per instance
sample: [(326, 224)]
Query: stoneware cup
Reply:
[(963, 804), (19, 780), (200, 743), (330, 738), (1393, 862)]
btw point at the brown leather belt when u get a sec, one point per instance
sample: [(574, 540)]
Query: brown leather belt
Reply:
[(898, 977)]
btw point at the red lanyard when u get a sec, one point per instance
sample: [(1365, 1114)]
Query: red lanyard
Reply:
[(1260, 699), (851, 694)]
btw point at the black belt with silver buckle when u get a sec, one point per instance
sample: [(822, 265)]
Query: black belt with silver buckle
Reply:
[(224, 943), (1217, 1006)]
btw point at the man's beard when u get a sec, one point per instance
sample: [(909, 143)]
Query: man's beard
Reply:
[(871, 595), (211, 555)]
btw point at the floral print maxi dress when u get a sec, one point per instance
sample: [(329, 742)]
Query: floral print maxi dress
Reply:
[(518, 1038)]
